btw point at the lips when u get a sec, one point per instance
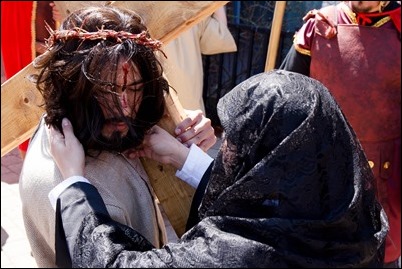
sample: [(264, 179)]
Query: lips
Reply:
[(120, 126)]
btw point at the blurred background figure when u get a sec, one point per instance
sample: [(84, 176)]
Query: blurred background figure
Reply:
[(184, 68), (23, 36), (354, 49)]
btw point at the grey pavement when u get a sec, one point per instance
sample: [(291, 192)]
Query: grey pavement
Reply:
[(15, 249)]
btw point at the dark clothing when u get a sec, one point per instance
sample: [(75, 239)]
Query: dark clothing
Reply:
[(193, 217), (394, 264), (290, 187), (296, 62)]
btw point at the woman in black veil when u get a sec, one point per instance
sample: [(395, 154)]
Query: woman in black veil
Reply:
[(290, 187)]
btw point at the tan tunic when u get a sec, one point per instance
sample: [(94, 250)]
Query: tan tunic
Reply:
[(122, 183), (183, 68)]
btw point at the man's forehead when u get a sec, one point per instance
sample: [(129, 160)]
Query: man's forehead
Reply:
[(127, 74)]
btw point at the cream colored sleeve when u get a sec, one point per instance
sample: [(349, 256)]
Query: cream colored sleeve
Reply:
[(215, 37)]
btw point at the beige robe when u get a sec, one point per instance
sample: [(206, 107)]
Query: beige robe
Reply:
[(183, 66), (122, 183)]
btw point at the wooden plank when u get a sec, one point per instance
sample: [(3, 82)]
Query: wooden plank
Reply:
[(275, 35), (20, 111), (166, 19), (174, 195)]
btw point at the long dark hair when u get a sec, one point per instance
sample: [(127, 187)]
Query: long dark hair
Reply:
[(76, 71)]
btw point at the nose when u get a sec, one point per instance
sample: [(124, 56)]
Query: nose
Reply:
[(123, 99)]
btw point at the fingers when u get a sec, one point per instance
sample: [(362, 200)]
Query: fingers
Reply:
[(56, 138), (134, 153), (204, 138), (68, 130), (193, 117), (154, 130), (140, 151), (198, 131), (66, 150), (183, 126), (206, 144)]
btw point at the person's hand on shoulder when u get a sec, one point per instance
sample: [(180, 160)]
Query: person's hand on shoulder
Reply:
[(66, 150)]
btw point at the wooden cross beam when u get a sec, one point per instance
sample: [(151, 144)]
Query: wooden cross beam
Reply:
[(274, 38), (20, 100)]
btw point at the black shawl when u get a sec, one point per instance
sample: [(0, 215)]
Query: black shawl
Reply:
[(290, 187)]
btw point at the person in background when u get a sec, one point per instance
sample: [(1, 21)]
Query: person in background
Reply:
[(23, 35), (354, 49), (111, 87), (290, 187), (183, 66)]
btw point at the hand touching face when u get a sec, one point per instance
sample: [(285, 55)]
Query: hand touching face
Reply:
[(161, 146)]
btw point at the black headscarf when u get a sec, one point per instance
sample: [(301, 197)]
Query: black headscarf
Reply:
[(293, 163), (291, 187)]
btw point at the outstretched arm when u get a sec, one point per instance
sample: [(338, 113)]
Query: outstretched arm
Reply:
[(84, 228)]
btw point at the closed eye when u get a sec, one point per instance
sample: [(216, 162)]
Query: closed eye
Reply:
[(137, 88)]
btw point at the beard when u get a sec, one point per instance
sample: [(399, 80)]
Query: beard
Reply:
[(117, 141)]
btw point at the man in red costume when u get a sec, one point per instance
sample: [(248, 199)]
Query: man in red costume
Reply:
[(354, 48), (23, 35)]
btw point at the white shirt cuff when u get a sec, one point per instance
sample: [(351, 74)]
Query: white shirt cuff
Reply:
[(194, 168), (56, 191)]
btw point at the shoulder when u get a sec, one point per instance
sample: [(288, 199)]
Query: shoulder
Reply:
[(323, 21), (316, 22)]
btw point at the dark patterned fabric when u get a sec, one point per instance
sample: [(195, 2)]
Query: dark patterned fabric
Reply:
[(290, 187)]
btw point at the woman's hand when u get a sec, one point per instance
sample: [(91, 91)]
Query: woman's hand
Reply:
[(161, 146), (67, 151), (196, 129)]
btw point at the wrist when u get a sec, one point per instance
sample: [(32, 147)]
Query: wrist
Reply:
[(180, 158), (72, 173)]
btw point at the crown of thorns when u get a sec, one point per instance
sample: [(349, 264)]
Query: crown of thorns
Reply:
[(79, 33)]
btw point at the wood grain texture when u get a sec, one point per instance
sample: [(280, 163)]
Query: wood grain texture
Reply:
[(20, 111), (164, 19), (20, 100), (275, 36)]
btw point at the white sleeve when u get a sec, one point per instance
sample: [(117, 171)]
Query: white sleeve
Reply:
[(56, 191), (194, 168)]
